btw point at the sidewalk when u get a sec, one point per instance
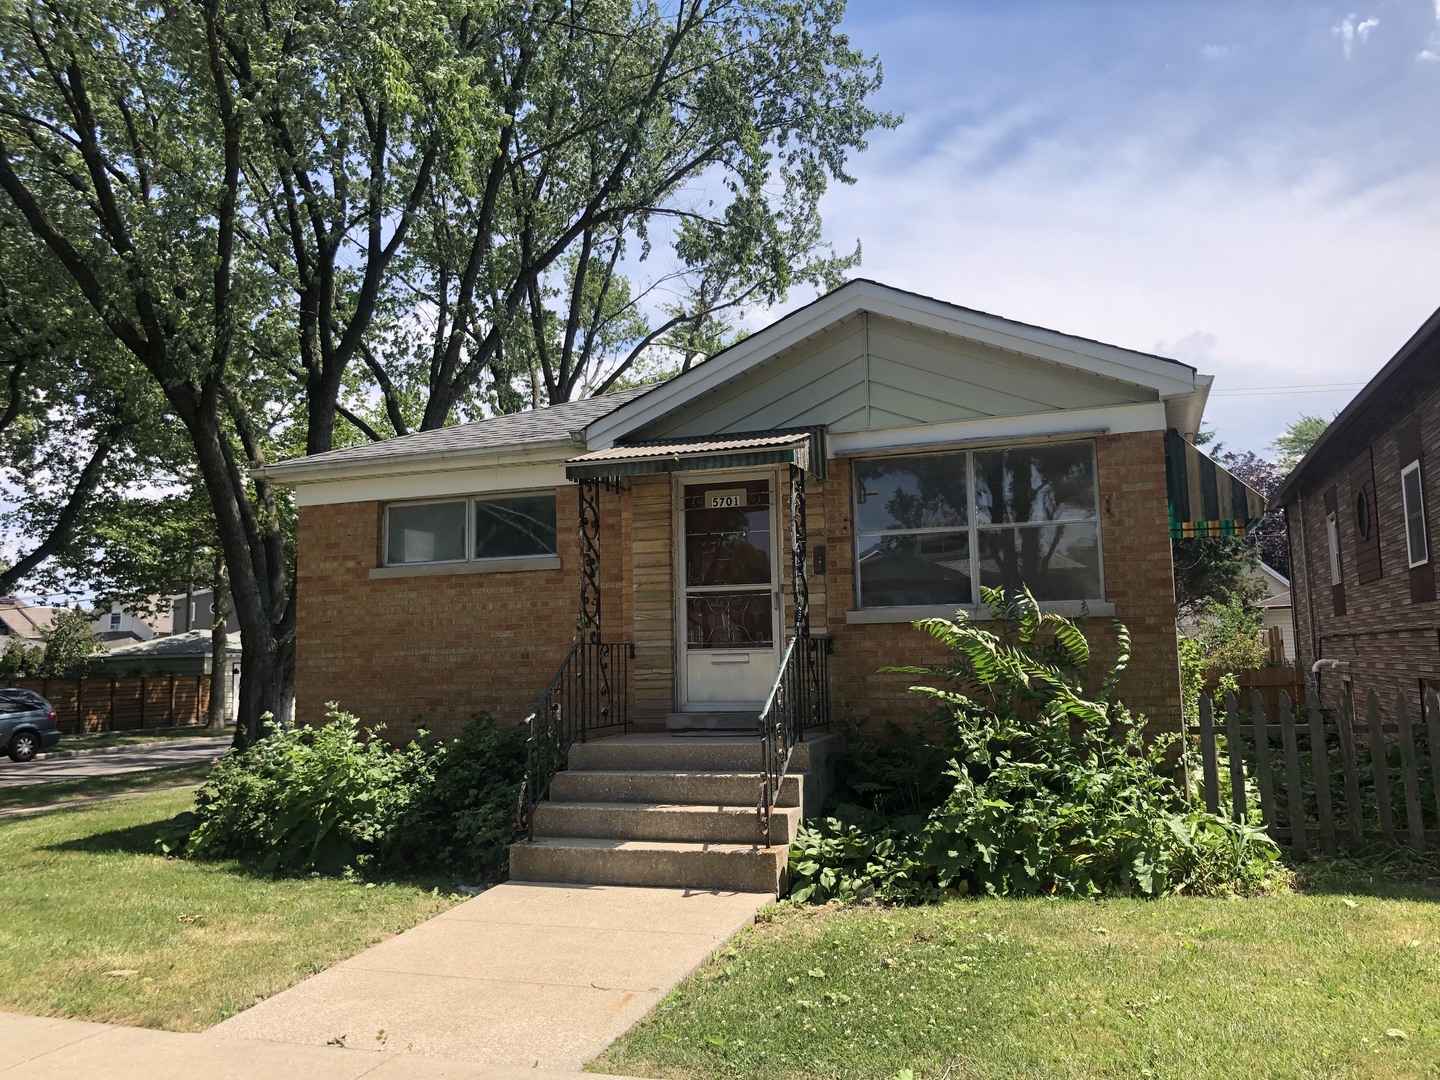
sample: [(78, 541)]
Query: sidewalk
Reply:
[(33, 1047), (524, 975)]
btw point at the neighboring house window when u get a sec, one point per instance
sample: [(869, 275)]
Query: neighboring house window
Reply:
[(1332, 532), (1412, 492), (933, 528), (502, 527), (115, 621)]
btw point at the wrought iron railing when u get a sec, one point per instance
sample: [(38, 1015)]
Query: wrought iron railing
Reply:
[(590, 693), (798, 702)]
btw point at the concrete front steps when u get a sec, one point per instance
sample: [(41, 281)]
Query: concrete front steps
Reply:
[(663, 810)]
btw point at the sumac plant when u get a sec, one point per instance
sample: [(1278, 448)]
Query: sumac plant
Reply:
[(1052, 786)]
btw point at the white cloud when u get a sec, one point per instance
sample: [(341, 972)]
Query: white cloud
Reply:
[(1293, 278), (1219, 52), (1427, 55), (1349, 32)]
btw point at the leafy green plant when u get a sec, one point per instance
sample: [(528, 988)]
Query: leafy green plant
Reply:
[(321, 799), (1052, 787), (464, 820), (338, 798)]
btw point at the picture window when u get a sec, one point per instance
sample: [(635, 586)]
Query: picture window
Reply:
[(932, 529)]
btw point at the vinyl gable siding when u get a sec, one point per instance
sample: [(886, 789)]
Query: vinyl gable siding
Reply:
[(870, 373)]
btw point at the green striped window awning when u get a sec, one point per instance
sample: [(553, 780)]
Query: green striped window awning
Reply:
[(1205, 500)]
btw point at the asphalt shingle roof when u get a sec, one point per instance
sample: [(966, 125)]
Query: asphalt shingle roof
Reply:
[(514, 429)]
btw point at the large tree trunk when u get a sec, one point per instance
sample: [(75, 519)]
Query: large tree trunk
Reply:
[(219, 649)]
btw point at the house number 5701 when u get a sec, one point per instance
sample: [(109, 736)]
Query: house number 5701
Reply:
[(727, 499)]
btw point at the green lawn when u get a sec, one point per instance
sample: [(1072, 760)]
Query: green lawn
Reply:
[(100, 740), (99, 927), (1325, 984), (56, 792)]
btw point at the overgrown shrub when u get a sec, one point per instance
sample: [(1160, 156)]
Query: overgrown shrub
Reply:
[(1051, 787), (464, 821), (337, 798)]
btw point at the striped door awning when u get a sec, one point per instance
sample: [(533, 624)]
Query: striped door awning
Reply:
[(1205, 500)]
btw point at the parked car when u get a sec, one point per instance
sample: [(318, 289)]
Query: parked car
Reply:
[(27, 724)]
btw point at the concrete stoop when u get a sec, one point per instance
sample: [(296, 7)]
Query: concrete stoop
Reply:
[(663, 810)]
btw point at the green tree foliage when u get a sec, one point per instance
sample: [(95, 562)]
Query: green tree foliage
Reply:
[(70, 642), (1297, 440), (290, 216)]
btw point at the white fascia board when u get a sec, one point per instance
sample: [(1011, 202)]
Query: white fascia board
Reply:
[(478, 479), (1166, 378), (1163, 376), (1186, 412), (1110, 419), (788, 332), (300, 471)]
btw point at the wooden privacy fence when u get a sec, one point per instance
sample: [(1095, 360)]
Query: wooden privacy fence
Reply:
[(1312, 777), (1269, 682), (124, 703)]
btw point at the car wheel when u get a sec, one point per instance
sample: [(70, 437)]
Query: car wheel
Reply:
[(24, 746)]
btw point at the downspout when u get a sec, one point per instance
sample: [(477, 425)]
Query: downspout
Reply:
[(1309, 587)]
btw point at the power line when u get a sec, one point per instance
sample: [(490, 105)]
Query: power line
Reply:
[(1266, 391)]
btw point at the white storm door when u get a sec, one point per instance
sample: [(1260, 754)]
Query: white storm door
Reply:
[(730, 591)]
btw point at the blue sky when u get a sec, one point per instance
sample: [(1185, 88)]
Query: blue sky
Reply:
[(1251, 187)]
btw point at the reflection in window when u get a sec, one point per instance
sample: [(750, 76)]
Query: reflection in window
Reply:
[(727, 534), (514, 527), (492, 527), (1031, 515)]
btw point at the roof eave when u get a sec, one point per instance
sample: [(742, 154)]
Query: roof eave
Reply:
[(303, 471), (1343, 419)]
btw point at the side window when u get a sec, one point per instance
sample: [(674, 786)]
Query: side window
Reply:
[(1412, 492), (425, 533), (1332, 533)]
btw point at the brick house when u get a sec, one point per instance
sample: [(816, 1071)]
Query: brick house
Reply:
[(1362, 519), (934, 449)]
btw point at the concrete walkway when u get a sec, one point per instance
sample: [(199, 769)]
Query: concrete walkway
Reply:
[(33, 1046), (524, 975)]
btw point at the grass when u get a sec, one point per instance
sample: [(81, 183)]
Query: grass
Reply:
[(103, 740), (58, 792), (1329, 983), (99, 927)]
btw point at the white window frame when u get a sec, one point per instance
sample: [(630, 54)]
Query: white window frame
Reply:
[(470, 560), (116, 618), (1094, 604), (1414, 467), (1332, 537)]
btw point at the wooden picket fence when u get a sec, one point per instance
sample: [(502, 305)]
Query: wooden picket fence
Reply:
[(1314, 778), (124, 703)]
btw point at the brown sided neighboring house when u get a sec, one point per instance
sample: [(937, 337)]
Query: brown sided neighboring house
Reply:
[(1363, 513), (930, 449), (24, 621)]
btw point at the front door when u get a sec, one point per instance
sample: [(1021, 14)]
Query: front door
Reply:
[(730, 592)]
